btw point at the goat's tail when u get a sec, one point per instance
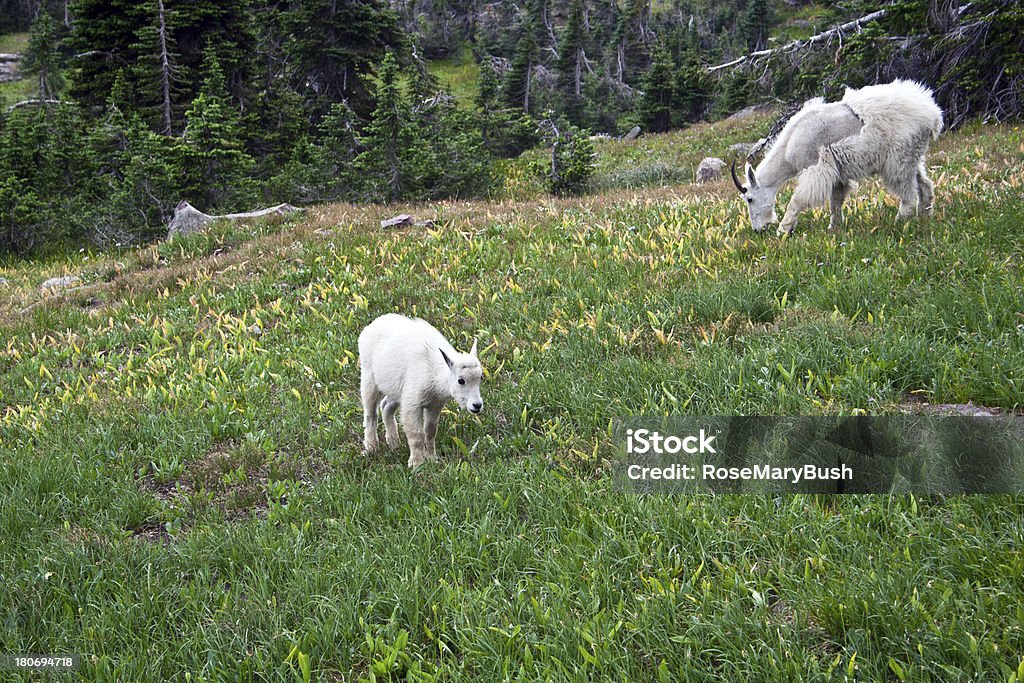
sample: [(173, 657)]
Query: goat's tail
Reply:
[(937, 125)]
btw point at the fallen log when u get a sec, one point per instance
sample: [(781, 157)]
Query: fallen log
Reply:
[(797, 44), (188, 219), (34, 103)]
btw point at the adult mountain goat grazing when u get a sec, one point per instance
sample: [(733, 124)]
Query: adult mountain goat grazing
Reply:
[(406, 364), (879, 129)]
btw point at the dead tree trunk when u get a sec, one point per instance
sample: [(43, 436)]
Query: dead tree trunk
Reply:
[(188, 219), (165, 69)]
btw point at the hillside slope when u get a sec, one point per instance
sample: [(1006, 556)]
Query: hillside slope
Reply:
[(182, 487)]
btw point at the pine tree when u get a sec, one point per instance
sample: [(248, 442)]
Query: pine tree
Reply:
[(457, 164), (214, 160), (393, 149), (486, 101), (570, 63), (655, 106), (155, 72), (519, 79), (138, 171), (42, 59), (630, 41), (755, 23), (22, 216), (333, 155), (102, 36), (334, 46), (692, 90), (41, 149)]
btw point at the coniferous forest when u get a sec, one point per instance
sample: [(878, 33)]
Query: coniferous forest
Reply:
[(135, 105)]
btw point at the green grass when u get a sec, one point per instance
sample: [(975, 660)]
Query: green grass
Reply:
[(182, 492), (458, 74), (805, 21), (15, 91), (14, 42)]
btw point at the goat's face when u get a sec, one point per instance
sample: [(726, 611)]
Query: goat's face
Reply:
[(464, 377), (759, 198)]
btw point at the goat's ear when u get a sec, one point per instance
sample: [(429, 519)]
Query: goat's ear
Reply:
[(446, 358), (472, 351), (750, 175)]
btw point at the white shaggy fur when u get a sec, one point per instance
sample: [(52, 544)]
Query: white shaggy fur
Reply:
[(408, 364), (879, 129)]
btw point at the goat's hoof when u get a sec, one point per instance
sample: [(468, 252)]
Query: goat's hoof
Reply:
[(392, 441)]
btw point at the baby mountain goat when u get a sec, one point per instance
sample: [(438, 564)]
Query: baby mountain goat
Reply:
[(407, 364), (879, 129)]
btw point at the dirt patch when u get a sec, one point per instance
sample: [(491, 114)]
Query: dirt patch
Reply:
[(236, 478), (916, 404), (152, 531)]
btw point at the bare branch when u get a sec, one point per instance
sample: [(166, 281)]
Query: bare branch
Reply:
[(34, 102), (797, 44)]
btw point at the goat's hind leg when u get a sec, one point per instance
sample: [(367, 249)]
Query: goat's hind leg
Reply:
[(903, 186), (925, 190), (371, 397)]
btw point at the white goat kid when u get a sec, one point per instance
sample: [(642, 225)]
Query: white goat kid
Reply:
[(879, 129), (407, 364)]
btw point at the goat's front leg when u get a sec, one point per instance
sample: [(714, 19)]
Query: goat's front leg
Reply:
[(814, 188), (412, 423), (388, 408), (789, 219), (839, 193), (431, 416)]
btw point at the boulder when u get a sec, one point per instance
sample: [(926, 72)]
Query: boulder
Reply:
[(710, 169), (398, 221), (59, 282)]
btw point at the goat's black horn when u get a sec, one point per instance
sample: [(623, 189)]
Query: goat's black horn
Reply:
[(739, 185)]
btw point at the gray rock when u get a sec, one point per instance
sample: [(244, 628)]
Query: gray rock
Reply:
[(710, 169), (633, 134), (59, 282), (748, 148), (400, 220), (747, 112), (4, 281)]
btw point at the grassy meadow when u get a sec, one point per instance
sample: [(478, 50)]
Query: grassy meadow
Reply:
[(183, 495), (15, 91)]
